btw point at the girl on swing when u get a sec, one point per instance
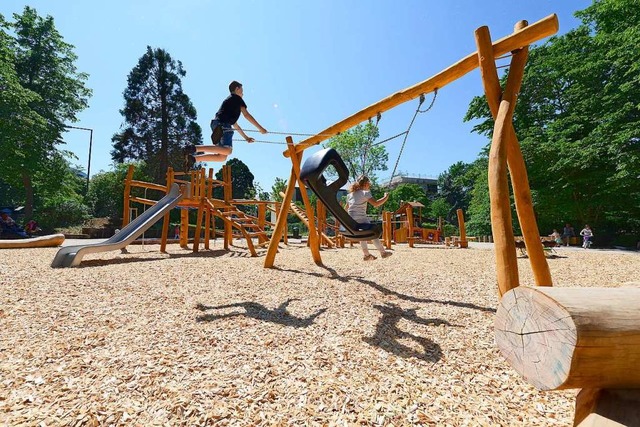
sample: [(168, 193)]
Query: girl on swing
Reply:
[(357, 199)]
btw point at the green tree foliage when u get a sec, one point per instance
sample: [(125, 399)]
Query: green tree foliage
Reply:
[(406, 193), (578, 121), (455, 186), (440, 208), (159, 118), (279, 185), (357, 149), (241, 180), (45, 90), (106, 190)]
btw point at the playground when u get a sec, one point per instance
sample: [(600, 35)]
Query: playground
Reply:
[(213, 338)]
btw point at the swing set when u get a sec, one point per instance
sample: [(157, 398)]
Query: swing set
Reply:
[(311, 173)]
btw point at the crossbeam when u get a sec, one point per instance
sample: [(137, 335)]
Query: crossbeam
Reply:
[(526, 36)]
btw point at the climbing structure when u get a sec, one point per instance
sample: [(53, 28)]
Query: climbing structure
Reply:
[(199, 196), (519, 39)]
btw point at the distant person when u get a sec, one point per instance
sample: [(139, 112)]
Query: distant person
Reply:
[(567, 233), (221, 127), (176, 232), (8, 226), (32, 228), (587, 235), (357, 199), (556, 237)]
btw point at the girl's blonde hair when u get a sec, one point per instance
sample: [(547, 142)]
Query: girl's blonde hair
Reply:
[(359, 183)]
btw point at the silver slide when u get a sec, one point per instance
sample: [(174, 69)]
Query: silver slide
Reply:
[(71, 256)]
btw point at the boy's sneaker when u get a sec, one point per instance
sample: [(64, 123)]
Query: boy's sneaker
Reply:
[(216, 135), (386, 254)]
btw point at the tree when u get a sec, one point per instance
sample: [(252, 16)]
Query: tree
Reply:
[(440, 208), (45, 91), (106, 190), (159, 118), (241, 179), (455, 185), (578, 120), (358, 152), (405, 193), (279, 185)]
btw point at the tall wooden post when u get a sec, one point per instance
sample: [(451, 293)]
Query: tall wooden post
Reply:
[(314, 241), (515, 161), (127, 195), (463, 229), (410, 237), (228, 196)]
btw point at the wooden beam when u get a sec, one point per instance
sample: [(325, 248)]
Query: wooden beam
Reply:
[(560, 338), (539, 30)]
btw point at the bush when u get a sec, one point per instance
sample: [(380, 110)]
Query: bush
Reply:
[(57, 213)]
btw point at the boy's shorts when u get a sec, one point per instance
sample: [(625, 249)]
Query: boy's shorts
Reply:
[(227, 135)]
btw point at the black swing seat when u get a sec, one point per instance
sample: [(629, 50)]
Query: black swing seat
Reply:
[(311, 174)]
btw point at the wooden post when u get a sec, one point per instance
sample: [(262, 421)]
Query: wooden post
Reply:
[(515, 161), (559, 338), (207, 220), (463, 230), (410, 237), (607, 407), (314, 242), (201, 211), (501, 225), (127, 195), (281, 221), (184, 228), (167, 217), (228, 196)]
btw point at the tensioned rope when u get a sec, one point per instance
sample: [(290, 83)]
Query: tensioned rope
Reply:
[(406, 133)]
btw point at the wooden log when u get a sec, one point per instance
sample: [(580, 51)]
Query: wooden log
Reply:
[(560, 338), (539, 30), (608, 407), (501, 225)]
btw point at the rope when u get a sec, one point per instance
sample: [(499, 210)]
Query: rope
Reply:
[(406, 133), (292, 133), (260, 141), (369, 142)]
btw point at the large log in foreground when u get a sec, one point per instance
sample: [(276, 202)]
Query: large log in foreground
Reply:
[(559, 338)]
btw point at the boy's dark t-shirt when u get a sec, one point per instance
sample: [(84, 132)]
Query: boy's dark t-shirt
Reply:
[(229, 111)]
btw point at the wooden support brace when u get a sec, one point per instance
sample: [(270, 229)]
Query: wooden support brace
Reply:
[(515, 161), (504, 242)]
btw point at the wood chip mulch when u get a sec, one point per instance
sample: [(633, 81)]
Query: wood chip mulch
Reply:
[(183, 339)]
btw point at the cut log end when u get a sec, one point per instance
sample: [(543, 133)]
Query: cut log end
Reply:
[(536, 336)]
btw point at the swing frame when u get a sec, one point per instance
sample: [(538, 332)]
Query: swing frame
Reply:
[(518, 40)]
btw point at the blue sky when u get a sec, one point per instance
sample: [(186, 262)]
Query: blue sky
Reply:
[(305, 65)]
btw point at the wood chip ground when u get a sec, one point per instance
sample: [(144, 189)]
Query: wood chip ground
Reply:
[(183, 339)]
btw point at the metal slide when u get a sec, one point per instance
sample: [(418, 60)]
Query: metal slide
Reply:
[(71, 256)]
